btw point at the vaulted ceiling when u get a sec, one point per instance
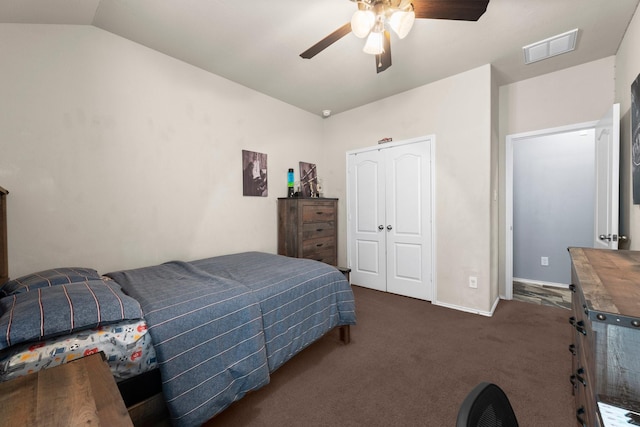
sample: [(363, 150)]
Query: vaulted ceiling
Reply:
[(257, 43)]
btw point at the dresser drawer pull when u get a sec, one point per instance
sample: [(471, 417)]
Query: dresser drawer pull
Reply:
[(579, 325), (579, 412), (575, 379), (319, 213), (319, 245), (572, 349), (580, 378), (319, 229)]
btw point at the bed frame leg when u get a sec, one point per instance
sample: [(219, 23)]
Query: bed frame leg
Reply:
[(345, 334)]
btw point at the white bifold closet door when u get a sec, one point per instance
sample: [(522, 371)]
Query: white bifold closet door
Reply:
[(389, 218)]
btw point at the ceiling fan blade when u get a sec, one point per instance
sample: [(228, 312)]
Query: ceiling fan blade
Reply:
[(383, 61), (327, 41), (461, 10)]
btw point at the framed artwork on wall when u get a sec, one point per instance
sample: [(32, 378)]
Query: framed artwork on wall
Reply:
[(254, 174), (308, 180), (635, 139)]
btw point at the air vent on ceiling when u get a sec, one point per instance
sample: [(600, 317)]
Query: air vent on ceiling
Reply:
[(556, 45)]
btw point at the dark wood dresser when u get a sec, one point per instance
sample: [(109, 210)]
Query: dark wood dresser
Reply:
[(308, 228), (606, 338)]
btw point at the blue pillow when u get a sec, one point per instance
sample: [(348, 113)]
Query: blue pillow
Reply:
[(58, 310), (52, 277)]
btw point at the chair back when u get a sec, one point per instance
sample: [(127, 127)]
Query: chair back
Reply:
[(486, 406)]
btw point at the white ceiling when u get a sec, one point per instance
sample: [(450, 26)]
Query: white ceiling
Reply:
[(257, 43)]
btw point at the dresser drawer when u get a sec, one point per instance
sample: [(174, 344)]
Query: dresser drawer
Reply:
[(318, 212), (316, 230), (327, 256), (315, 245), (579, 319)]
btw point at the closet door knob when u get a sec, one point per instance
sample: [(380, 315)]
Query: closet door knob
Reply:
[(381, 227), (389, 227)]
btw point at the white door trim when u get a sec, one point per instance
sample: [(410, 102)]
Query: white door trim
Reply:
[(432, 145), (507, 293)]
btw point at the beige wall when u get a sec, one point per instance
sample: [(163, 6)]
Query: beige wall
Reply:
[(575, 95), (457, 110), (627, 70), (117, 156)]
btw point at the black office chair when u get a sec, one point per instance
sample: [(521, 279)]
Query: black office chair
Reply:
[(486, 406)]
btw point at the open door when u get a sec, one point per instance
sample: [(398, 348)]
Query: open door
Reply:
[(607, 180)]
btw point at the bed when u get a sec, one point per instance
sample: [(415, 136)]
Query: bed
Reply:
[(214, 329)]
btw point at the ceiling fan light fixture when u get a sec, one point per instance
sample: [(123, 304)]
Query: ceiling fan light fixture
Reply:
[(375, 44), (401, 22), (362, 22)]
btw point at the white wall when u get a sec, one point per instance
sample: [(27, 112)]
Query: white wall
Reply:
[(457, 110), (627, 70), (117, 156)]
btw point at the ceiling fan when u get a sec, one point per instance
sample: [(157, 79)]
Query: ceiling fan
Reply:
[(372, 15)]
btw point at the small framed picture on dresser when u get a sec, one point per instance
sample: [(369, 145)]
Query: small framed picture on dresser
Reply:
[(308, 180)]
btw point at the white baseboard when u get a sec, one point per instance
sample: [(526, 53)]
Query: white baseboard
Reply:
[(467, 309)]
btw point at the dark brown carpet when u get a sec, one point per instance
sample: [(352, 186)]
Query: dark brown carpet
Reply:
[(411, 363)]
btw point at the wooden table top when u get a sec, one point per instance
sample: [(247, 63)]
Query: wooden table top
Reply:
[(82, 392), (610, 280)]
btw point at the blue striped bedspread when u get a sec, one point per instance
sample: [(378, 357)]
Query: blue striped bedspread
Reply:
[(207, 333), (221, 325), (300, 299)]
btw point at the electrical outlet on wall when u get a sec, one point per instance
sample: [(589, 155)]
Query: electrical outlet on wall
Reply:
[(544, 261), (473, 282)]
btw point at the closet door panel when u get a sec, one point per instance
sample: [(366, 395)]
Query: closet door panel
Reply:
[(366, 186), (407, 262), (408, 217), (389, 219)]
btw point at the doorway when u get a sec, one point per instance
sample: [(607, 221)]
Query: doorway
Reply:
[(550, 177), (606, 187)]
